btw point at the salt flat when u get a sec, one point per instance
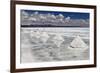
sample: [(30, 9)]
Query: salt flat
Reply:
[(33, 49)]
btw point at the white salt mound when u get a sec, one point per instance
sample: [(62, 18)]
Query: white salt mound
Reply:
[(78, 46), (35, 34), (58, 39), (78, 43), (44, 37)]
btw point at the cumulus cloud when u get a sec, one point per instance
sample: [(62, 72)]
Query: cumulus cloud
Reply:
[(24, 14), (67, 19), (36, 13), (52, 20)]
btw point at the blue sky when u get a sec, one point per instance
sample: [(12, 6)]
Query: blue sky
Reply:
[(73, 15)]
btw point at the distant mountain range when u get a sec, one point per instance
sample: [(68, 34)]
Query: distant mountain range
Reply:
[(50, 20)]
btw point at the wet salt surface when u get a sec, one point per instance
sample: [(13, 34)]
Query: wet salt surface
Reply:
[(34, 50)]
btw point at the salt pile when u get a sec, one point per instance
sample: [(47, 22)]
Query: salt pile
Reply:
[(78, 46), (58, 39), (44, 37), (78, 43), (35, 34)]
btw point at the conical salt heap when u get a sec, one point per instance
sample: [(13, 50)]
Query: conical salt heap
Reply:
[(77, 46), (44, 37), (58, 39), (78, 43), (35, 34)]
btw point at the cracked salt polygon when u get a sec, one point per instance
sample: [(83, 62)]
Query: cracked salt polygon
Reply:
[(78, 43), (58, 39), (44, 37)]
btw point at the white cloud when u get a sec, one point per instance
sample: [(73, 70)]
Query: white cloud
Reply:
[(67, 19), (36, 13), (56, 20)]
